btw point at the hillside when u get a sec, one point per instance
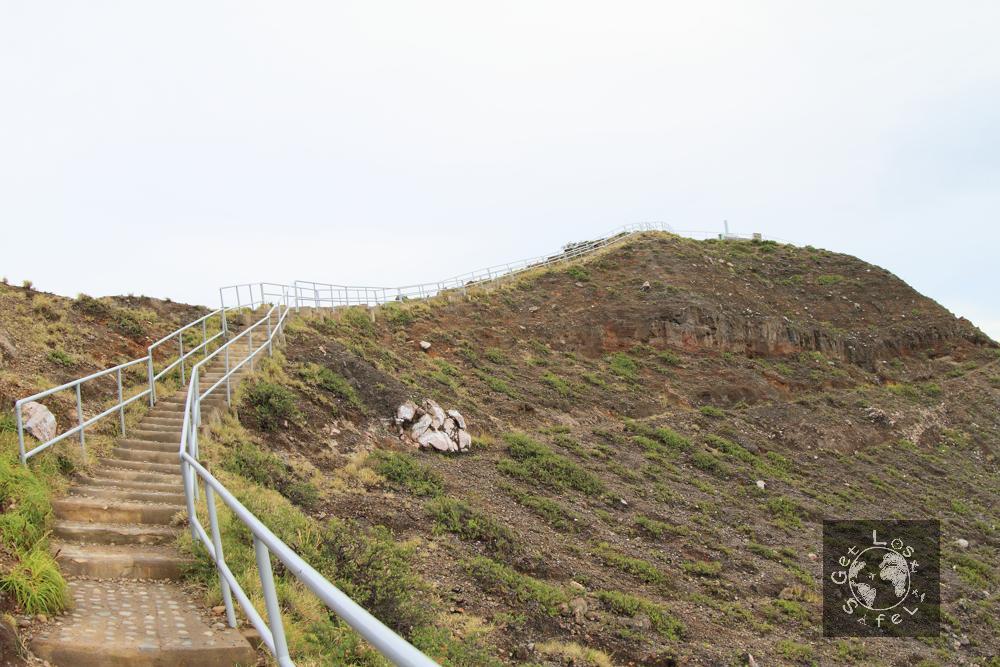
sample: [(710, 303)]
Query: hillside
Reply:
[(624, 409)]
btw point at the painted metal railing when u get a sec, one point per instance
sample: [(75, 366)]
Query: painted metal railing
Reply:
[(266, 544)]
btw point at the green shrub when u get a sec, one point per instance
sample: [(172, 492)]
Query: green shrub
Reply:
[(554, 513), (578, 273), (660, 528), (730, 448), (396, 315), (36, 584), (496, 384), (534, 462), (358, 319), (268, 404), (495, 355), (558, 384), (624, 366), (457, 516), (637, 567), (665, 623), (326, 378), (794, 651), (525, 589), (88, 305), (669, 358), (785, 511), (703, 568), (708, 462), (60, 358), (711, 411), (267, 469), (127, 323), (406, 472), (829, 279)]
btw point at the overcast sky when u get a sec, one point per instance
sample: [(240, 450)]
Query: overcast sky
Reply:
[(169, 148)]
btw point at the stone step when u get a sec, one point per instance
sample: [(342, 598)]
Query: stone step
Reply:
[(175, 497), (146, 426), (143, 466), (159, 436), (169, 420), (114, 561), (152, 445), (133, 478), (113, 533), (146, 455), (137, 624), (103, 510)]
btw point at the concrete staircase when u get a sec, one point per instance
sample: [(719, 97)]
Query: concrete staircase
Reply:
[(114, 538)]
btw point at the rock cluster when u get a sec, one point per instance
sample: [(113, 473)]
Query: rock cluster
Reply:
[(38, 421), (431, 427)]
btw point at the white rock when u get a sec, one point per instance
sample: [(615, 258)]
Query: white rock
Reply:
[(38, 421), (424, 345), (420, 427), (761, 484), (406, 412), (962, 543), (646, 286), (457, 416), (436, 412), (451, 428), (464, 441), (437, 440)]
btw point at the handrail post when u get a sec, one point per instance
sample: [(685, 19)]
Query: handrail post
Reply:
[(225, 325), (250, 346), (20, 433), (79, 415), (188, 473), (270, 344), (213, 520), (152, 381), (180, 340), (271, 602), (229, 393), (121, 403), (204, 338)]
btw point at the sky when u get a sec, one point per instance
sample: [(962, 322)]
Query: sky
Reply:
[(171, 148)]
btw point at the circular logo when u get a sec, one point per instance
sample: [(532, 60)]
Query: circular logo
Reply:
[(879, 578)]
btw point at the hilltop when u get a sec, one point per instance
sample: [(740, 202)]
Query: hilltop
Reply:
[(624, 409)]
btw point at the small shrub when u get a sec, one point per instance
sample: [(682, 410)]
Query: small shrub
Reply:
[(703, 568), (794, 651), (594, 380), (669, 358), (326, 378), (36, 584), (524, 588), (358, 320), (637, 567), (27, 284), (707, 462), (829, 279), (128, 324), (578, 273), (730, 448), (267, 469), (624, 366), (60, 358), (497, 385), (534, 462), (659, 528), (665, 623), (554, 513), (457, 516), (406, 472), (712, 411), (786, 512), (269, 404), (495, 355), (396, 315), (88, 305), (560, 386)]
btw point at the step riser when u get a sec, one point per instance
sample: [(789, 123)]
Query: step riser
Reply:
[(133, 478), (98, 655), (152, 446), (155, 436), (146, 456), (128, 494), (110, 535), (68, 510), (139, 466), (116, 567)]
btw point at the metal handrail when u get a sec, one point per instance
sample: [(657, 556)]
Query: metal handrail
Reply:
[(265, 542)]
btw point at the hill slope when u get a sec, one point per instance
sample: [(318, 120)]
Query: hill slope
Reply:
[(624, 409)]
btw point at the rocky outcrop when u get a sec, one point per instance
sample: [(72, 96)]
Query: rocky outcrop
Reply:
[(429, 426)]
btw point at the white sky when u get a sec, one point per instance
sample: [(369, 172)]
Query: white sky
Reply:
[(169, 148)]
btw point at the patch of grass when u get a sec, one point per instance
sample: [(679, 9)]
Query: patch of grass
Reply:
[(404, 471), (525, 589), (571, 653), (35, 583), (663, 435), (791, 609), (534, 462), (578, 273), (703, 568), (594, 380), (800, 653), (60, 357), (665, 623), (637, 567), (88, 305), (458, 517), (268, 404), (495, 355), (972, 571), (708, 462), (829, 279), (712, 411), (659, 528), (624, 366), (265, 468), (127, 323), (326, 378), (358, 320), (555, 514), (730, 448), (786, 512), (560, 386), (396, 315), (496, 384), (669, 358)]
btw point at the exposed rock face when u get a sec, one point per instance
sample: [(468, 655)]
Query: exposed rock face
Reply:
[(38, 421), (430, 427)]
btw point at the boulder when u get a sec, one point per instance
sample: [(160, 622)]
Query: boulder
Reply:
[(424, 345), (422, 425), (464, 441), (457, 416), (436, 412), (38, 421), (436, 439), (451, 428), (406, 412)]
